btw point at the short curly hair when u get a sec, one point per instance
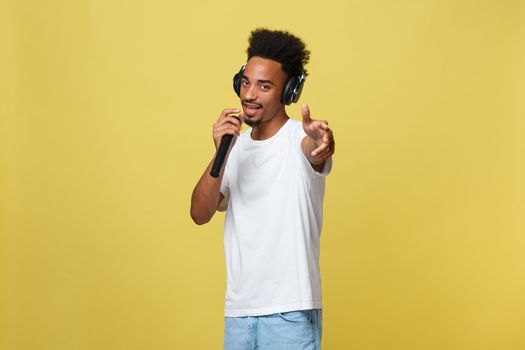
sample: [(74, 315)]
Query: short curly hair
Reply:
[(279, 46)]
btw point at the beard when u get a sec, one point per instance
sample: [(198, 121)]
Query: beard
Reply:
[(253, 122)]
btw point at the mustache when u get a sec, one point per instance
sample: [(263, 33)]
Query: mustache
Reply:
[(251, 103)]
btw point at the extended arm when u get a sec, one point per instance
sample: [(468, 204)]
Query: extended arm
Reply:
[(318, 145)]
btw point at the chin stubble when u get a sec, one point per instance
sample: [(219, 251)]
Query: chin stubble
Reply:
[(253, 123)]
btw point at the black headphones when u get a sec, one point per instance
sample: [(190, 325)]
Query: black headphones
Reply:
[(292, 89)]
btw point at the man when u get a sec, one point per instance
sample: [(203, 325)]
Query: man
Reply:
[(273, 187)]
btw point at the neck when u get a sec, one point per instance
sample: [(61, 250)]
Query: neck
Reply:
[(268, 128)]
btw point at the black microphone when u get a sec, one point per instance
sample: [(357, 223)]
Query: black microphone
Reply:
[(222, 152)]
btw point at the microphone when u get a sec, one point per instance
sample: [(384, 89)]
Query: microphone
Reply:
[(222, 152)]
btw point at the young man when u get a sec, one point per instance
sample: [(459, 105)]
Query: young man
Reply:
[(273, 187)]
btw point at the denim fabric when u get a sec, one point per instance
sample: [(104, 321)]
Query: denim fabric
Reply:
[(295, 330)]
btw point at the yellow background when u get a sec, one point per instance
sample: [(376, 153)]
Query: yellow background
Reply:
[(106, 111)]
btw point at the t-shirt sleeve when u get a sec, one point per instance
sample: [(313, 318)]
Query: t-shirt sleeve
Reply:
[(225, 184), (225, 190), (299, 136)]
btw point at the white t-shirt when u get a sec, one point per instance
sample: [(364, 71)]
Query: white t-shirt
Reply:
[(273, 225)]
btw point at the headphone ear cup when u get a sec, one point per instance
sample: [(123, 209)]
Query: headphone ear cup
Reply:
[(292, 90), (297, 89), (237, 84), (287, 92), (237, 79)]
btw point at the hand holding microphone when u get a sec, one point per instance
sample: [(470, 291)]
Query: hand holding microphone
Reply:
[(224, 130)]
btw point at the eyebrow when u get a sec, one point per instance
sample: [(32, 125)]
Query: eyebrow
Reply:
[(263, 81)]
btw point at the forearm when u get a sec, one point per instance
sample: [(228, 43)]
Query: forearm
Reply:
[(205, 198)]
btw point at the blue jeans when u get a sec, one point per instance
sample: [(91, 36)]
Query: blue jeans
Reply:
[(295, 330)]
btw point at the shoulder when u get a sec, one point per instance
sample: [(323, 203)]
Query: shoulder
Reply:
[(295, 128), (295, 124)]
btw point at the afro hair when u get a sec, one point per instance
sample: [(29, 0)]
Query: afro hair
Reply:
[(279, 46)]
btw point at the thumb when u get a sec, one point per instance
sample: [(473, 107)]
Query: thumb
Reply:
[(305, 111)]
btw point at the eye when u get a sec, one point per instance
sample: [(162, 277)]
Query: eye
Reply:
[(265, 87), (245, 82)]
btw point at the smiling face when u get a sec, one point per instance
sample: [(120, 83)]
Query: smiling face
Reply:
[(262, 85)]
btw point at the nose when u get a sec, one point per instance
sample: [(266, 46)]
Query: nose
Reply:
[(250, 92)]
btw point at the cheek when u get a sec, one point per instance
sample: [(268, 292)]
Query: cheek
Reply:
[(275, 98)]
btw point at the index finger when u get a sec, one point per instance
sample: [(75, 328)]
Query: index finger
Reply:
[(233, 119), (228, 111)]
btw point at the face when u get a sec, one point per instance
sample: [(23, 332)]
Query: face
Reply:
[(261, 89)]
